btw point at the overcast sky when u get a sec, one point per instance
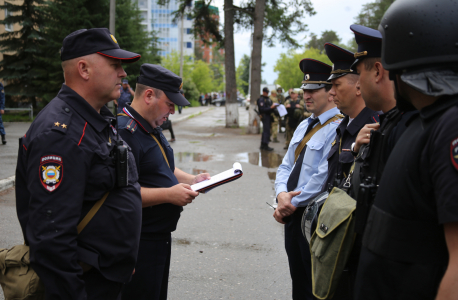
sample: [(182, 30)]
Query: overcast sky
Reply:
[(334, 15)]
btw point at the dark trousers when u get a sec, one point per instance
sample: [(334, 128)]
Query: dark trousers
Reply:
[(151, 278), (2, 128), (265, 129), (98, 287), (171, 131), (300, 264), (179, 109)]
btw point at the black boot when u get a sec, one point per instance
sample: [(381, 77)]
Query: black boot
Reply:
[(266, 147), (3, 139)]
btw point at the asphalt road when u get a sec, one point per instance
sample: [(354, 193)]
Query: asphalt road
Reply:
[(227, 245)]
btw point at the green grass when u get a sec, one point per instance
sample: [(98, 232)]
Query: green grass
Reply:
[(16, 117)]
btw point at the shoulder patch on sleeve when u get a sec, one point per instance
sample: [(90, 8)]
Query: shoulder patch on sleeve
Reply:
[(51, 172), (454, 153)]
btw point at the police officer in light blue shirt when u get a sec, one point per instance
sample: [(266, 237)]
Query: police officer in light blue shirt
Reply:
[(126, 95), (301, 177)]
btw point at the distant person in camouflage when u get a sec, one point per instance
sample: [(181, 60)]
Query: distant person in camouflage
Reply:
[(295, 108), (274, 126)]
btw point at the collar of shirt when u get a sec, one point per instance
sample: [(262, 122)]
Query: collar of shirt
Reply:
[(97, 120), (360, 120), (327, 115), (140, 120)]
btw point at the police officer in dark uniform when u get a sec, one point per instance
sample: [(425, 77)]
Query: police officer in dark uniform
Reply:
[(347, 97), (165, 188), (374, 143), (66, 163), (2, 111), (265, 108), (410, 240), (126, 96)]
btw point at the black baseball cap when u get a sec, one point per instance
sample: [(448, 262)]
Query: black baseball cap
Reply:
[(96, 40), (266, 89), (160, 78)]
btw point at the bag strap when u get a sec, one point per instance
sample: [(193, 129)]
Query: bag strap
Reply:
[(91, 213), (162, 149), (311, 133)]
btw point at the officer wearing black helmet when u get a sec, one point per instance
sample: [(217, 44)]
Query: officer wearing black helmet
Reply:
[(265, 108), (410, 246), (66, 164)]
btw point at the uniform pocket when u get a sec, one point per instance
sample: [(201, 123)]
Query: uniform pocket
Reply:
[(313, 153)]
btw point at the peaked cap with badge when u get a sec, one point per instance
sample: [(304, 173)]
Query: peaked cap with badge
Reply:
[(95, 40), (369, 43), (342, 60), (315, 72), (165, 80)]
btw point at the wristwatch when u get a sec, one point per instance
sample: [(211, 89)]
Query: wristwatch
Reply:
[(352, 149)]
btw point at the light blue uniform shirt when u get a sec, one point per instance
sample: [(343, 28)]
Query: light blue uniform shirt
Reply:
[(314, 169)]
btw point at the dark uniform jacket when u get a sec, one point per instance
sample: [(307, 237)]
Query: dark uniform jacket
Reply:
[(264, 104), (340, 158), (65, 164), (404, 254), (153, 171)]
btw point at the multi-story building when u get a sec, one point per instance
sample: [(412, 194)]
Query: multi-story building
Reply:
[(209, 52), (159, 18)]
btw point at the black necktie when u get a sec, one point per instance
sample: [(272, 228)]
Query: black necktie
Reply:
[(294, 176)]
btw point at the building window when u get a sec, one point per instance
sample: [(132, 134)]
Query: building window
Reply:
[(8, 27), (144, 15), (142, 4), (188, 17), (187, 30), (188, 45)]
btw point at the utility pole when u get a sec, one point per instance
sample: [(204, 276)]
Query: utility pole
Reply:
[(181, 47), (112, 30), (112, 16)]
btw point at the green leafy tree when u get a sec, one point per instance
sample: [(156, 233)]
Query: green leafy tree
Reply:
[(287, 66), (243, 74), (21, 48), (372, 13), (327, 36), (202, 77), (190, 91), (172, 63), (62, 18), (66, 16), (218, 76)]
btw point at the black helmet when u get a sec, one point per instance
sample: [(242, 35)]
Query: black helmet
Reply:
[(419, 33)]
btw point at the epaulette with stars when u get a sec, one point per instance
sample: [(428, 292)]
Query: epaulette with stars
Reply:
[(62, 121), (132, 126)]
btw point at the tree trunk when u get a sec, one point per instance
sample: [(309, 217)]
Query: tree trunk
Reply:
[(232, 111), (256, 60)]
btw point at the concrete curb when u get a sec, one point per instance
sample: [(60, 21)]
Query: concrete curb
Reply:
[(7, 183), (183, 118)]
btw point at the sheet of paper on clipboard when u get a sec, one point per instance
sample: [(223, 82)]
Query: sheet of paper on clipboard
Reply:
[(219, 179), (282, 110)]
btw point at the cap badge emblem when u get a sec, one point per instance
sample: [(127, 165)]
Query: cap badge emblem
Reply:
[(181, 85), (113, 38), (307, 76)]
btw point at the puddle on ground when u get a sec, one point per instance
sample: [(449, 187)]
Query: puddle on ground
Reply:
[(263, 159), (272, 175)]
